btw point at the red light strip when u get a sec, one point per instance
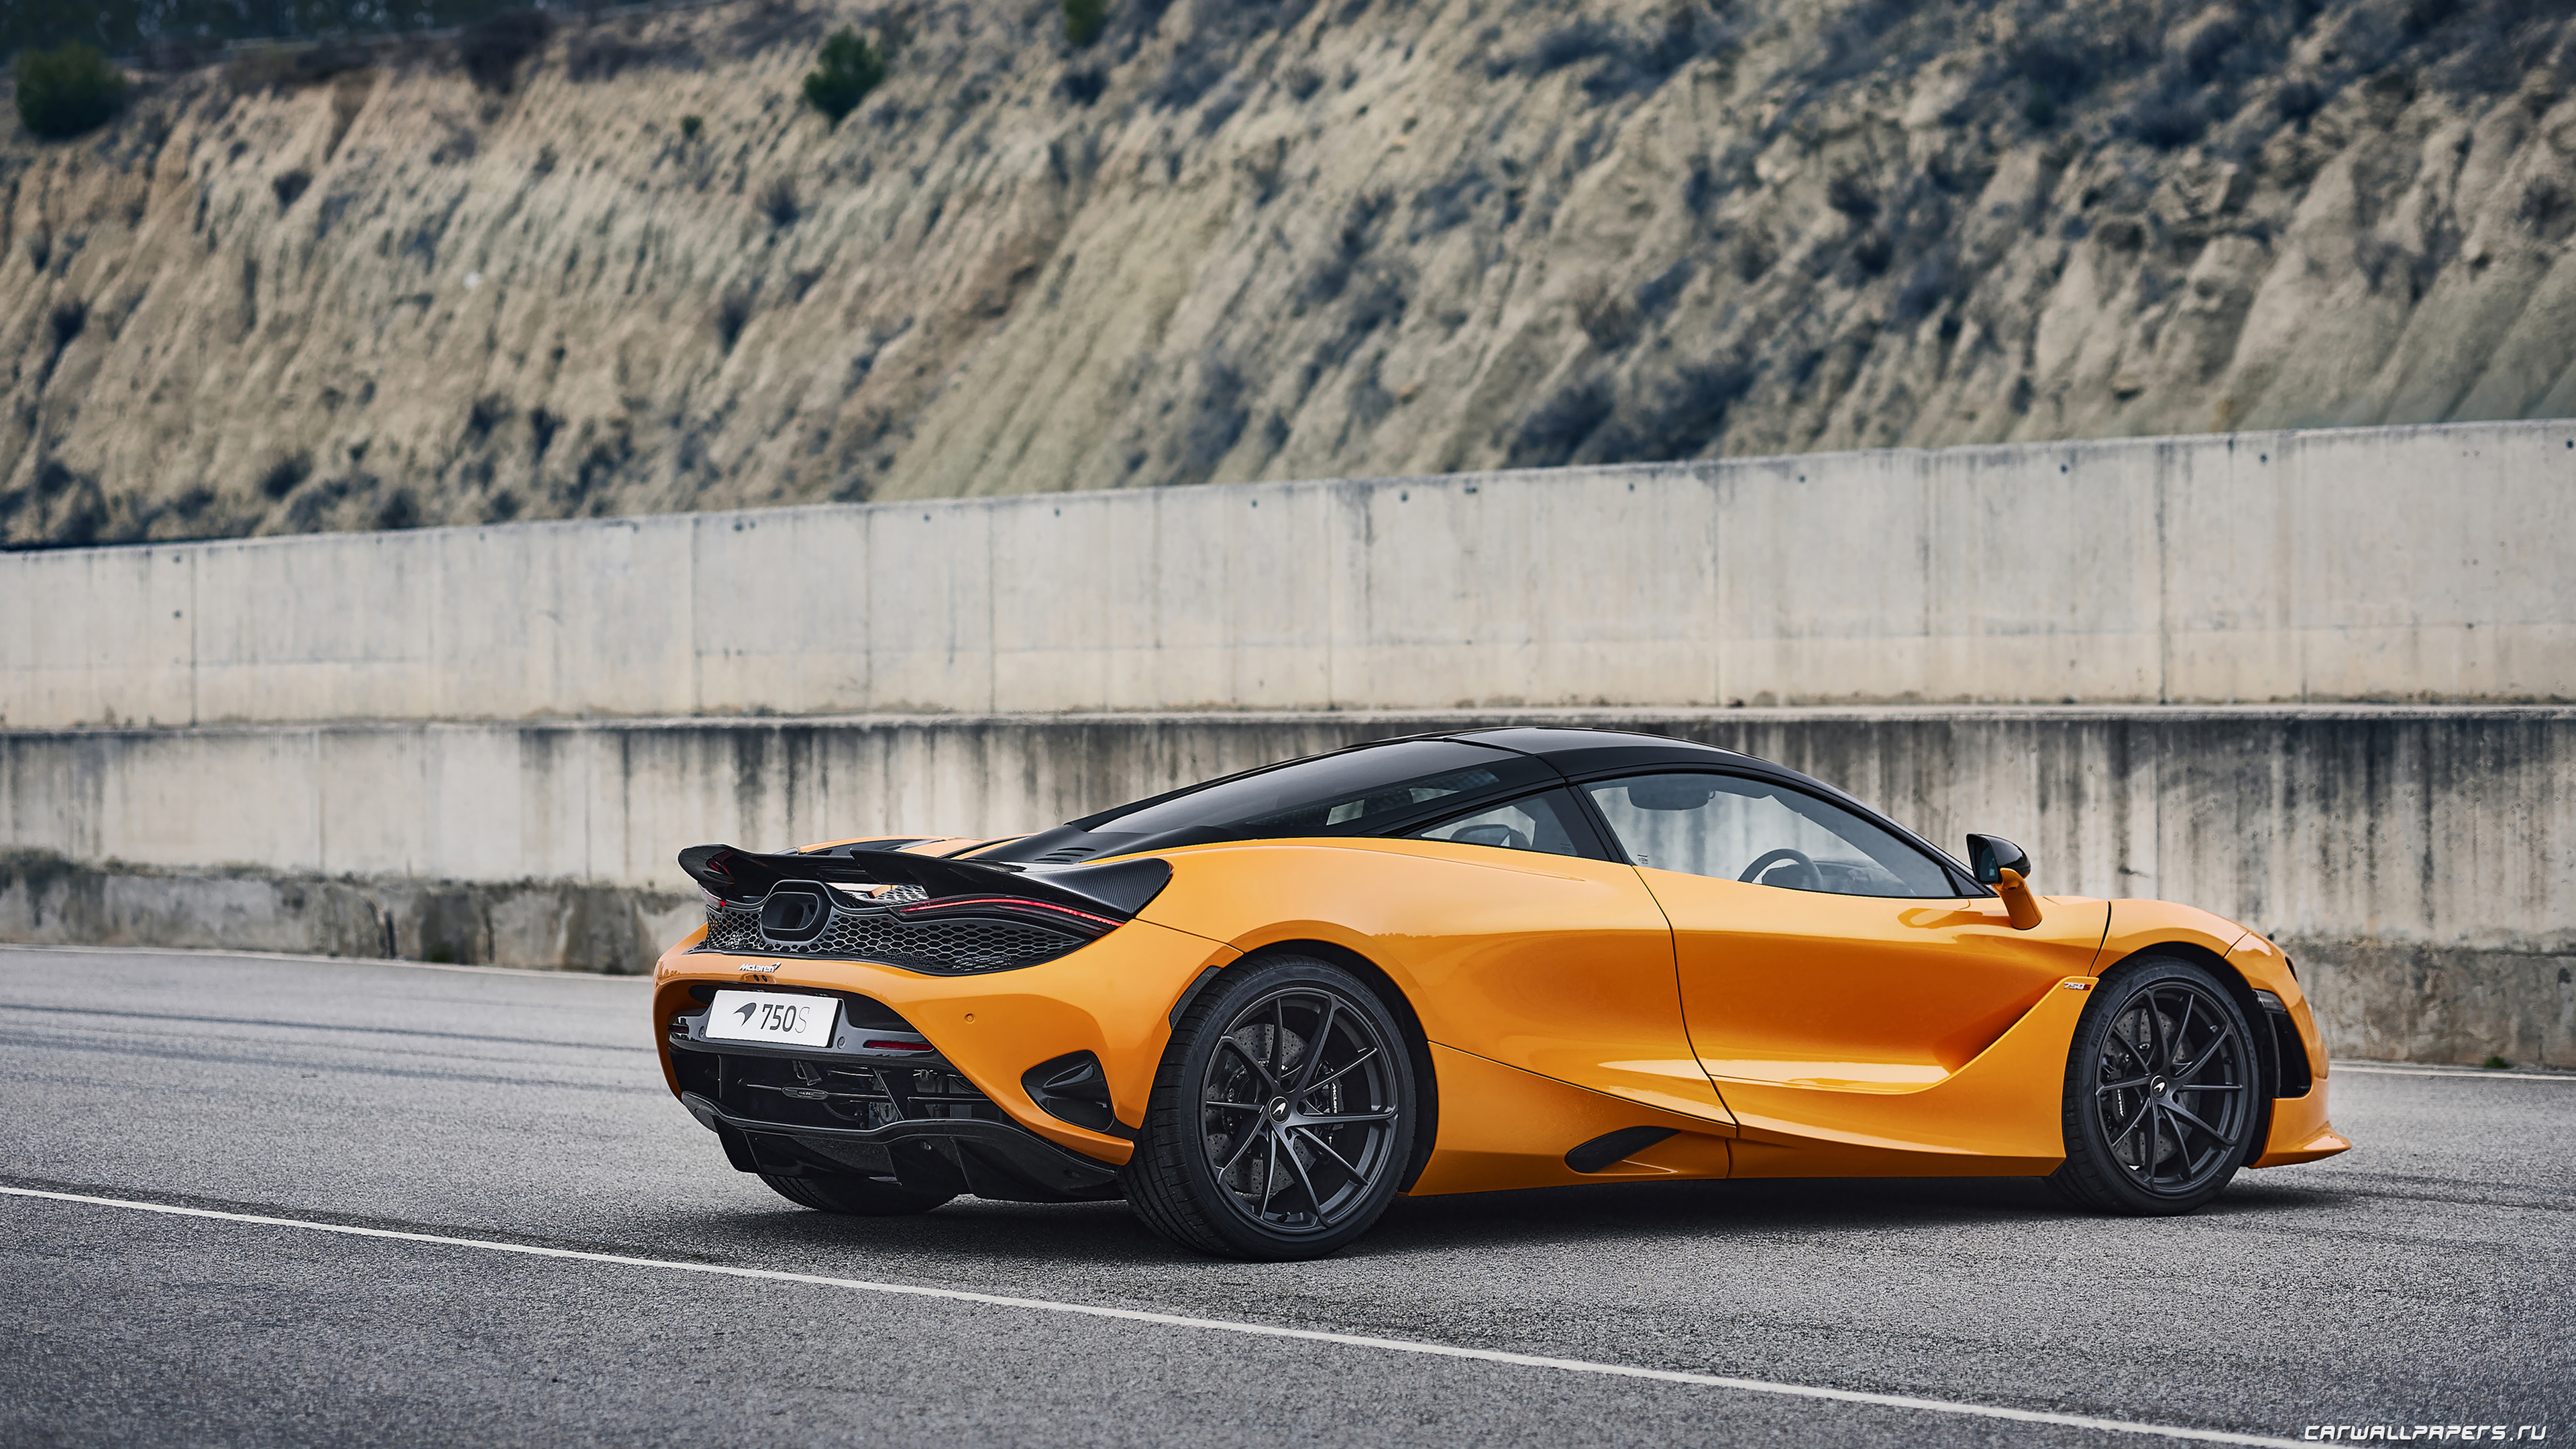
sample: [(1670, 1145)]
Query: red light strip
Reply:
[(1016, 902), (897, 1046)]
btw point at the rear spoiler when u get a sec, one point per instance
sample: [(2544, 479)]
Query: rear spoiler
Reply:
[(1119, 887)]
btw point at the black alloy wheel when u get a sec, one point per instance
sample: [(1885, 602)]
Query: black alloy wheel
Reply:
[(1282, 1116), (2160, 1091)]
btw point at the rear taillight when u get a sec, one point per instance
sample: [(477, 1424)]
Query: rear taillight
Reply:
[(949, 935), (1054, 917)]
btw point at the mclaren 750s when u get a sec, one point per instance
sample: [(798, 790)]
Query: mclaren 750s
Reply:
[(1259, 1008)]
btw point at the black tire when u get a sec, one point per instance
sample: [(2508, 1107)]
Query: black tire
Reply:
[(2161, 1100), (1260, 1143), (861, 1197)]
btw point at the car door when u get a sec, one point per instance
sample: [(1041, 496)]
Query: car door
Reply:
[(1829, 969), (1566, 969)]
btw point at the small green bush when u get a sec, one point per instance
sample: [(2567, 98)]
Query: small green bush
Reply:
[(850, 68), (1085, 19), (690, 126), (67, 91), (2495, 1062)]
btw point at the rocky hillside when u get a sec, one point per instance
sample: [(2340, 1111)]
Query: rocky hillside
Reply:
[(1240, 239)]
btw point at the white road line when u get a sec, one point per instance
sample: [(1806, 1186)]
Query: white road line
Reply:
[(2337, 1067), (1217, 1325)]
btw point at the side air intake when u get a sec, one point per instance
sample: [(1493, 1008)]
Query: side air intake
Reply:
[(1613, 1147)]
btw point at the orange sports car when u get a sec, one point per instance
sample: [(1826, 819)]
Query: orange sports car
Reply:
[(1260, 1007)]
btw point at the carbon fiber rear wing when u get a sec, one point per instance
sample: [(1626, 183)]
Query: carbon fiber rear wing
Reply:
[(1120, 888)]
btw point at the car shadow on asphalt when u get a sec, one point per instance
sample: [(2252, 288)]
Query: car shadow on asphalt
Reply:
[(1811, 1207), (1643, 1212), (1633, 1214)]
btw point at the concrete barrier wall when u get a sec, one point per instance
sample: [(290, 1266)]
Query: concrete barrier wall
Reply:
[(549, 925), (2375, 564), (2324, 683), (2446, 826), (2421, 862)]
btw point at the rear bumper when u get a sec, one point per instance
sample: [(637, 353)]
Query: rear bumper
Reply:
[(874, 1101), (1112, 998), (950, 1155)]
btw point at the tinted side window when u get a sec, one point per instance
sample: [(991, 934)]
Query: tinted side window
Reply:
[(1546, 823), (1743, 829)]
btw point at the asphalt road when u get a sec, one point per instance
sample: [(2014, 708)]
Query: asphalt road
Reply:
[(2429, 1277)]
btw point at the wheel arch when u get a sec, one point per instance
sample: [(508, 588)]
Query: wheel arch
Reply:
[(1417, 1043), (2258, 1023)]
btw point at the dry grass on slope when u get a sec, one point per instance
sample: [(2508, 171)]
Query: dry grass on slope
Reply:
[(1236, 239)]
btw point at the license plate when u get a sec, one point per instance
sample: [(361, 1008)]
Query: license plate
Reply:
[(771, 1017)]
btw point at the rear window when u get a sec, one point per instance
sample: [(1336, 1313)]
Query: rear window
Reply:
[(1353, 792)]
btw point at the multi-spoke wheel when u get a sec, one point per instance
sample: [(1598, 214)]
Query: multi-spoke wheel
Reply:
[(1282, 1117), (2160, 1091)]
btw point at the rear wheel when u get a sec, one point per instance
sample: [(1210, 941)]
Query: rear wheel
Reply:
[(865, 1197), (2160, 1099), (1282, 1116)]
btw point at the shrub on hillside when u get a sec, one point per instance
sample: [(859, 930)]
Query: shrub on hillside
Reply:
[(286, 475), (779, 202), (69, 321), (492, 48), (264, 68), (1085, 19), (66, 91), (733, 313), (173, 53), (281, 69), (1081, 87), (849, 68)]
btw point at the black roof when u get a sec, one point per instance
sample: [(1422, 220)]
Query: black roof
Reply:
[(1546, 753), (1580, 751)]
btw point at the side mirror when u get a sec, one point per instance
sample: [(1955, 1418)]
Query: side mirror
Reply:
[(2005, 866), (1991, 855)]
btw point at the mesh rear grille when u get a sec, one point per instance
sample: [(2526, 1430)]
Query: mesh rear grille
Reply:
[(953, 945)]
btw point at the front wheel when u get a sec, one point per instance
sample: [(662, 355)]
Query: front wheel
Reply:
[(2160, 1097), (864, 1197), (1282, 1115)]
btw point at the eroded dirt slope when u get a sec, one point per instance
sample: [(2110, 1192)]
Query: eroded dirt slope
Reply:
[(1239, 239)]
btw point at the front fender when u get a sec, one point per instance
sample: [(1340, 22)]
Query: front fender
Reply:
[(2300, 1131), (2137, 925)]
